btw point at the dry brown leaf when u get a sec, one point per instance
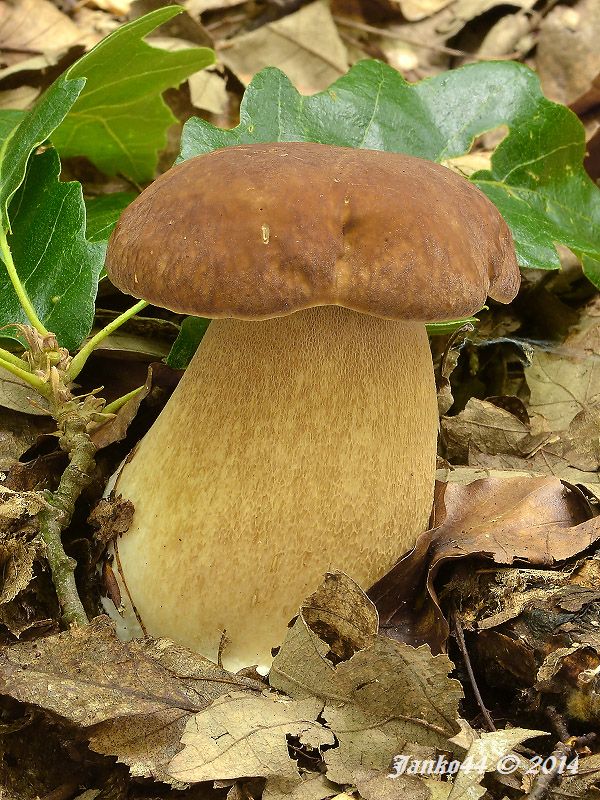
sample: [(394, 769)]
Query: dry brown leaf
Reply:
[(418, 9), (484, 754), (18, 433), (134, 697), (377, 785), (19, 395), (208, 91), (511, 33), (382, 697), (486, 427), (305, 44), (34, 26), (21, 98), (567, 57), (115, 429), (244, 736), (311, 786), (577, 448), (581, 785), (566, 382), (341, 614), (537, 520), (394, 695), (16, 568), (338, 618)]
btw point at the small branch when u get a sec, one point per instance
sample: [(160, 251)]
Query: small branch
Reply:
[(113, 407), (460, 638), (77, 443), (37, 383), (22, 295), (545, 780), (78, 362), (558, 723)]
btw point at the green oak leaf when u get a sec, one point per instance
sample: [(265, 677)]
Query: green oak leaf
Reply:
[(9, 119), (57, 265), (33, 129), (119, 121), (536, 178), (103, 212)]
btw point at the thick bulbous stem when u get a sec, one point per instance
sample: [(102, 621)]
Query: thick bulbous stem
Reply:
[(291, 446)]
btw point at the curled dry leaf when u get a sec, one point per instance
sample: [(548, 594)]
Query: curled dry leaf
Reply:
[(133, 698), (115, 429), (18, 433), (534, 520)]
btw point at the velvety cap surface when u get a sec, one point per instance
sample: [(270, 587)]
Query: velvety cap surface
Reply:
[(259, 231)]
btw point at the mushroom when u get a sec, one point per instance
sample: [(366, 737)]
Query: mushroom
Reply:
[(302, 437)]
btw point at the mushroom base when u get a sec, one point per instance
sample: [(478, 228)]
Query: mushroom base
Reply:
[(291, 447)]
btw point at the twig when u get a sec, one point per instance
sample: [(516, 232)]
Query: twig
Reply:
[(75, 441), (544, 781), (558, 723), (460, 638)]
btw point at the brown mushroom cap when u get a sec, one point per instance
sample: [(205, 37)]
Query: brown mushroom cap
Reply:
[(260, 231)]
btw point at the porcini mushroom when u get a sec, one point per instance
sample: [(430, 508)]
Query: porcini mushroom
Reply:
[(302, 436)]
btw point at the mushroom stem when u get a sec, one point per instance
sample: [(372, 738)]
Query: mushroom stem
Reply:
[(291, 446)]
